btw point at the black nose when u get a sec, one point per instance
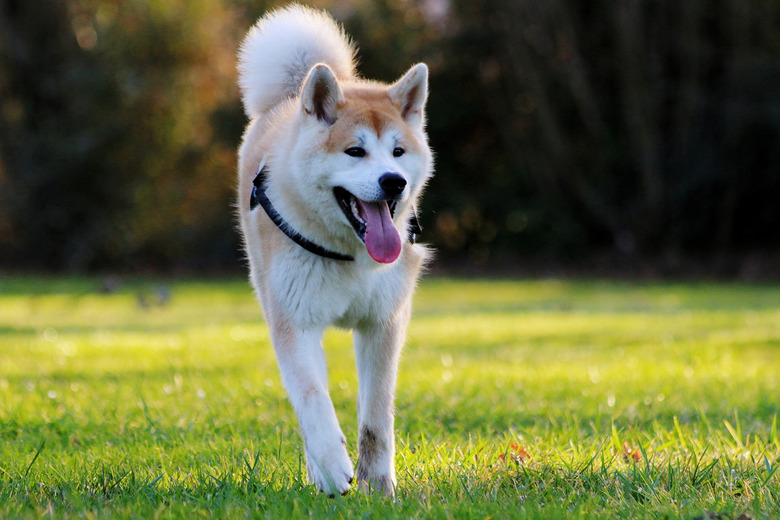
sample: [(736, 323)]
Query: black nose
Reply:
[(392, 184)]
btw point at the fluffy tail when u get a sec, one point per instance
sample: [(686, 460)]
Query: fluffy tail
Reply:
[(280, 49)]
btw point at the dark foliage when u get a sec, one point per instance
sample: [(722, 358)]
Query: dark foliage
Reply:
[(562, 129)]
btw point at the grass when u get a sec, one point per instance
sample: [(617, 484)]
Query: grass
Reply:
[(529, 399)]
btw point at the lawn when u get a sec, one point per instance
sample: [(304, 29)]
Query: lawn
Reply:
[(516, 399)]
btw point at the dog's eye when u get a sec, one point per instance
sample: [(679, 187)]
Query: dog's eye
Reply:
[(398, 152), (355, 151)]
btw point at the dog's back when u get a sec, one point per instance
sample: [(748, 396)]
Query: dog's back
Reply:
[(280, 50)]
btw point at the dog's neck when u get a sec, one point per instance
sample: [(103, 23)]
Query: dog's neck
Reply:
[(259, 197)]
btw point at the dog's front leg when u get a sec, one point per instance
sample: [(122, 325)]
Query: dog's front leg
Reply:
[(377, 351), (302, 364)]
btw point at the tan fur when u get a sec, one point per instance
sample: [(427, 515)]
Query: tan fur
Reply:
[(367, 106)]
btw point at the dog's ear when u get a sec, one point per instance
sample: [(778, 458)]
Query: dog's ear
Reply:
[(321, 94), (410, 93)]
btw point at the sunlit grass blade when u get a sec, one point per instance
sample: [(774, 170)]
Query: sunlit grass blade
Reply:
[(35, 457)]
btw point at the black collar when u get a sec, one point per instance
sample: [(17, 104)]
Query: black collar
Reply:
[(260, 197)]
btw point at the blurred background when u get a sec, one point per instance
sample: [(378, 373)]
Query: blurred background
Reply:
[(639, 137)]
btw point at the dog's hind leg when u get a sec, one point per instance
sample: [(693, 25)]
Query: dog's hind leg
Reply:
[(377, 350), (302, 364)]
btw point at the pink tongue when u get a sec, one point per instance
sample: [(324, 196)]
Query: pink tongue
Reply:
[(382, 239)]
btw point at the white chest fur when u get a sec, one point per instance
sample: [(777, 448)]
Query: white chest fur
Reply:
[(315, 293)]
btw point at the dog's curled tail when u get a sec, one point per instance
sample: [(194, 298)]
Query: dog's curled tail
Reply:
[(281, 48)]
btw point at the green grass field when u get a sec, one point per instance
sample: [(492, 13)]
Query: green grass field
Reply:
[(530, 399)]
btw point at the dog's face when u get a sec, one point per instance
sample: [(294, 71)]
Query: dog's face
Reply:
[(366, 156)]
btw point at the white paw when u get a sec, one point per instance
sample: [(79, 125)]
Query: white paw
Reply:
[(329, 466), (384, 485)]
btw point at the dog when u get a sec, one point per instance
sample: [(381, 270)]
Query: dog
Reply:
[(331, 169)]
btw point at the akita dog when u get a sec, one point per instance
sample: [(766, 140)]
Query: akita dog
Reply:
[(330, 171)]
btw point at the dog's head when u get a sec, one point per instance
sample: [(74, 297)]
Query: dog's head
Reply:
[(365, 156)]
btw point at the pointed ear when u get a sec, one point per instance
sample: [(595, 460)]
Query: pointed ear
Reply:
[(410, 93), (321, 94)]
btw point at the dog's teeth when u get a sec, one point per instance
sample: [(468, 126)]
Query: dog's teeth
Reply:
[(355, 213)]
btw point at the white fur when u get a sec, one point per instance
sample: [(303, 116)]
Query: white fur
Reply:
[(281, 48), (301, 293)]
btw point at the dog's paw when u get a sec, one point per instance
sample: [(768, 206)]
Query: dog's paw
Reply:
[(329, 466), (375, 468), (383, 485)]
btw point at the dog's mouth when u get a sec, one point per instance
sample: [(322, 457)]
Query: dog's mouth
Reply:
[(373, 224)]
